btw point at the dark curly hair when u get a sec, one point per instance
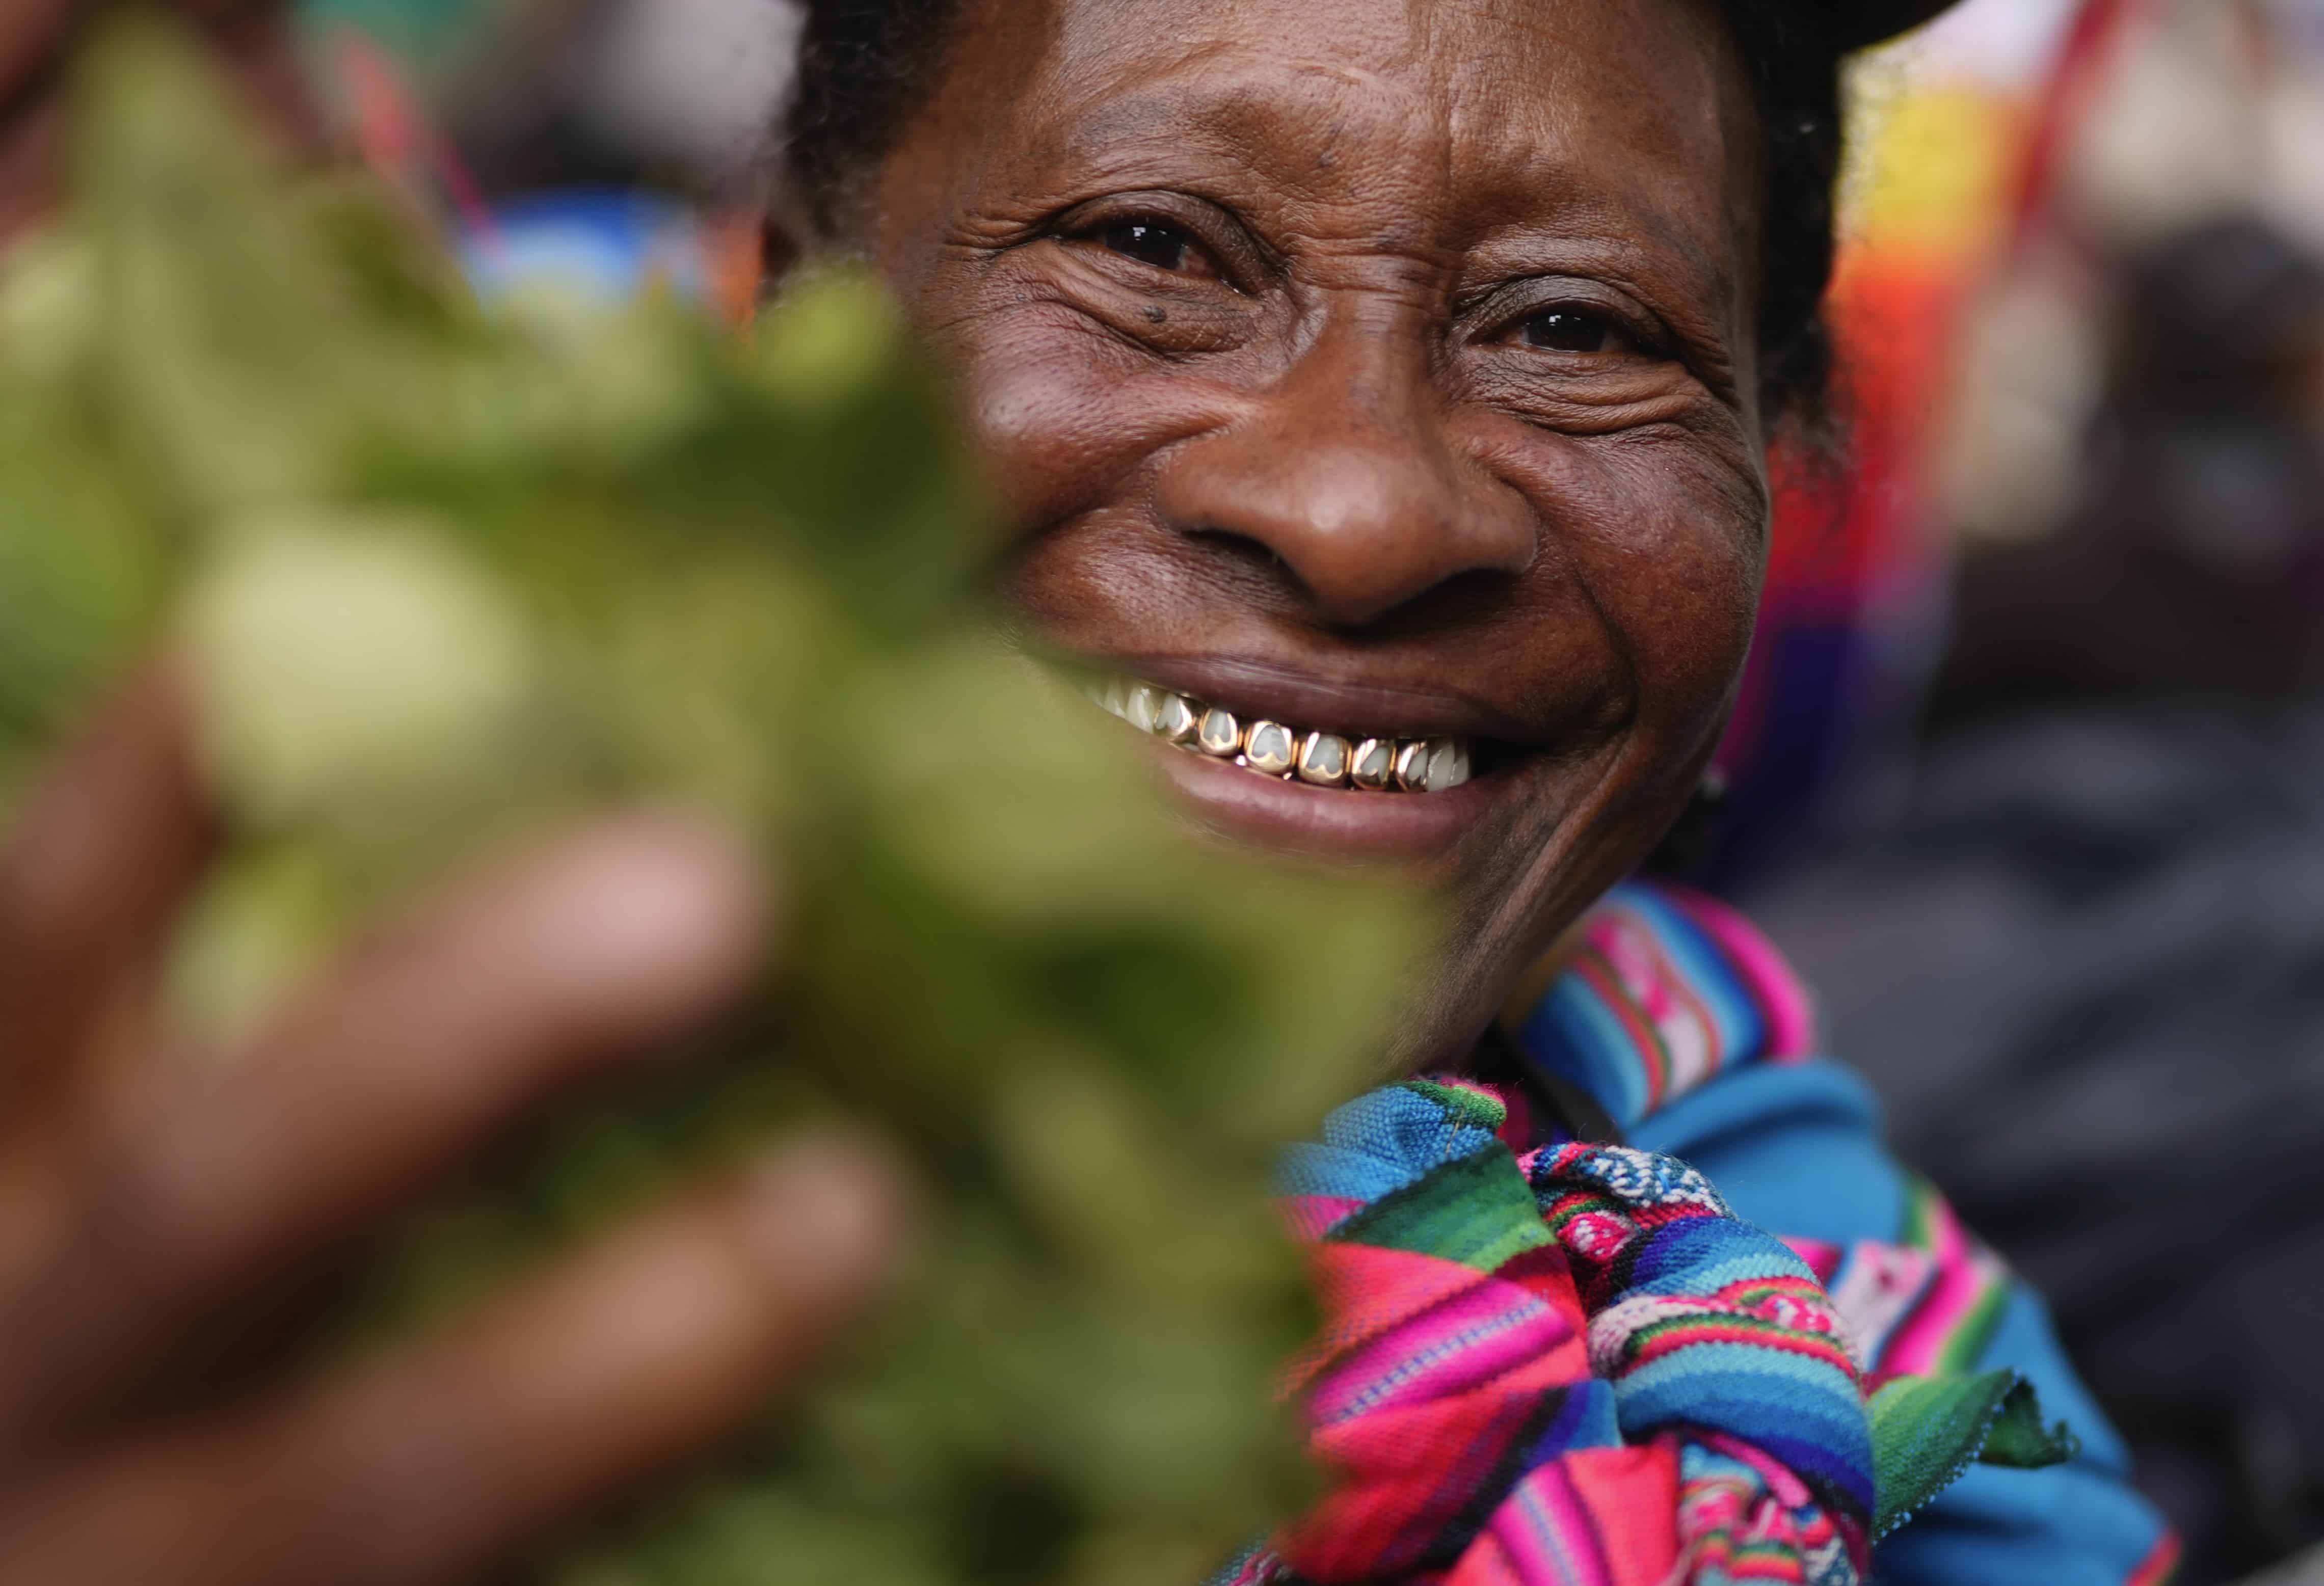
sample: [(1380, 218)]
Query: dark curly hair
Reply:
[(862, 61)]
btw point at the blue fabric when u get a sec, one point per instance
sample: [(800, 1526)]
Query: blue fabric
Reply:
[(1742, 1029), (1375, 1145), (1797, 1151), (2068, 1526), (1577, 1039), (1797, 1148)]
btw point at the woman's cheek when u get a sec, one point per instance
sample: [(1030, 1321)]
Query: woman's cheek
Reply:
[(1669, 533), (1062, 414)]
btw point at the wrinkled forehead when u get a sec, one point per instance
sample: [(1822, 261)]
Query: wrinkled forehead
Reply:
[(1475, 114)]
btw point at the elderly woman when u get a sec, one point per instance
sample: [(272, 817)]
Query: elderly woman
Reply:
[(1383, 389)]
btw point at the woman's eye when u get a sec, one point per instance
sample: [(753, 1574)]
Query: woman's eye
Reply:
[(1576, 330), (1150, 242)]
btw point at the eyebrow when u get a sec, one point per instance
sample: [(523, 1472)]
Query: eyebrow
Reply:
[(1144, 121)]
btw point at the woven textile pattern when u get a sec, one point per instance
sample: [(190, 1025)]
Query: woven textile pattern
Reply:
[(1687, 1025), (1575, 1366), (1548, 1363)]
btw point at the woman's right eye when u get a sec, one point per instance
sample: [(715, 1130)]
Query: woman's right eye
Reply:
[(1158, 244)]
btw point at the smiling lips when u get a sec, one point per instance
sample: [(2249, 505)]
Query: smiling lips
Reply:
[(1283, 754)]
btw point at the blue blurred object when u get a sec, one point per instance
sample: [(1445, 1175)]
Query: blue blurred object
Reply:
[(604, 245)]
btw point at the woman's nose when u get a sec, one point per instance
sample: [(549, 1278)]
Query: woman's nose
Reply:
[(1344, 468)]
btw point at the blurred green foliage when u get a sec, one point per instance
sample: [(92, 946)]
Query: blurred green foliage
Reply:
[(441, 576)]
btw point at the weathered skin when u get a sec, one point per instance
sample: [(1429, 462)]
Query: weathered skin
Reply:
[(1314, 469)]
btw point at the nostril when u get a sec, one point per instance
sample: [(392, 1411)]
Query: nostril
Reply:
[(1247, 545), (1253, 551)]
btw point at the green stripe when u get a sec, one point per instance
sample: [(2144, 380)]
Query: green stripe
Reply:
[(1477, 1211), (1461, 1105), (1927, 1431), (1967, 1346)]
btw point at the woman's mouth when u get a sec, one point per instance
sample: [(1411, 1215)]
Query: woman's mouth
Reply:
[(1338, 790), (1284, 752)]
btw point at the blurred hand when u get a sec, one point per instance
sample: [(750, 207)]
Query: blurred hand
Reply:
[(167, 1227), (250, 39)]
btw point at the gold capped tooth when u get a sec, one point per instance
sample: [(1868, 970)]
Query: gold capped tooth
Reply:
[(1219, 734), (1176, 719), (1373, 766), (1323, 760), (1270, 749), (1140, 706), (1412, 765)]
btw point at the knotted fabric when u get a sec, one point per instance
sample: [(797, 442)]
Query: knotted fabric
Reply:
[(1553, 1362), (1575, 1366)]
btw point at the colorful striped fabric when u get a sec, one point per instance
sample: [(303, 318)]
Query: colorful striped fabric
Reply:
[(1792, 1142), (1665, 991), (1928, 1303), (1572, 1367), (1549, 1363)]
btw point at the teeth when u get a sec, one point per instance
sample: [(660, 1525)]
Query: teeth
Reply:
[(1142, 705), (1270, 749), (1448, 765), (1411, 766), (1374, 766), (1323, 760), (1176, 719), (1220, 734)]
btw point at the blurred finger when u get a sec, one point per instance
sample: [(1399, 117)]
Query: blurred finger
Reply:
[(556, 972), (33, 34), (432, 1467), (105, 844)]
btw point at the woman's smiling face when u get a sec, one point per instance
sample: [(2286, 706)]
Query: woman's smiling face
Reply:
[(1379, 368)]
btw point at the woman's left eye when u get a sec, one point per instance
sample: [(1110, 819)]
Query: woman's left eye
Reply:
[(1157, 243), (1576, 330)]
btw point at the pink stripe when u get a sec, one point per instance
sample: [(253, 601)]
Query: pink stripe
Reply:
[(1549, 1534), (1788, 1488), (1607, 982), (1485, 1564), (2160, 1564), (1311, 1217), (1790, 1014), (1255, 1571), (1452, 1348), (1948, 1242), (1823, 1259), (1918, 1343)]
